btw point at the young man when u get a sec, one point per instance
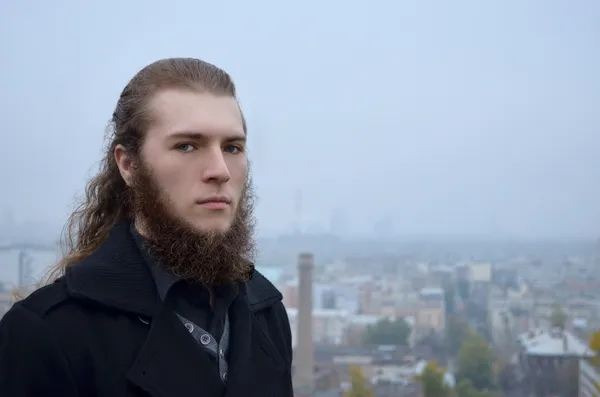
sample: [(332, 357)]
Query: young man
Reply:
[(157, 295)]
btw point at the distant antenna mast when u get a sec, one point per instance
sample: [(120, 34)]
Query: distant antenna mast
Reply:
[(24, 269)]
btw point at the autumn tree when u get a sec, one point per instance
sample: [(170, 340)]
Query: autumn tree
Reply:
[(432, 381), (595, 361), (358, 382), (595, 344), (388, 332), (475, 362)]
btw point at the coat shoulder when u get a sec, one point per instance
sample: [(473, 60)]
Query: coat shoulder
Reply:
[(45, 299), (32, 361)]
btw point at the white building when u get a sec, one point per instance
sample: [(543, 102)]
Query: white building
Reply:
[(329, 325), (589, 380), (480, 272), (333, 326), (553, 343), (326, 296)]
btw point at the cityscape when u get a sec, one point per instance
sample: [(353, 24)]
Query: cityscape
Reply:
[(385, 318), (421, 182)]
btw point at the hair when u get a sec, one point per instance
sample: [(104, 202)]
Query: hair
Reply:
[(106, 201)]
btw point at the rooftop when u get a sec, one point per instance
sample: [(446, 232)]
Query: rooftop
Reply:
[(555, 342), (432, 291)]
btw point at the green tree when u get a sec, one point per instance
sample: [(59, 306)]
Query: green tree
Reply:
[(359, 384), (388, 332), (432, 381), (475, 362), (456, 331), (558, 318), (465, 388)]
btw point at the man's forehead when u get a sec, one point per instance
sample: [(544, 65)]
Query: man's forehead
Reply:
[(177, 111)]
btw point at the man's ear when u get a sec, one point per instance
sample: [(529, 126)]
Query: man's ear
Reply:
[(125, 163)]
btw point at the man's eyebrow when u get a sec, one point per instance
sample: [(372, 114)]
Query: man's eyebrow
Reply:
[(198, 136)]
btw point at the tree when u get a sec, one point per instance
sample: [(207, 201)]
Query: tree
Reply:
[(388, 332), (595, 342), (475, 362), (466, 389), (456, 331), (359, 384), (432, 381), (558, 318), (595, 361)]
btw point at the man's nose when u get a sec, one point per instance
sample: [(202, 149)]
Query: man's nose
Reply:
[(216, 169)]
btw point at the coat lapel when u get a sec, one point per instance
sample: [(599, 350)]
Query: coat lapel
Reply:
[(171, 363), (254, 363)]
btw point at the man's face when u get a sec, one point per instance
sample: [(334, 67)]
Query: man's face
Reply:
[(196, 151)]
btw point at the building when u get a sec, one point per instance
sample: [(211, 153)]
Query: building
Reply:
[(589, 379), (431, 313), (550, 361), (328, 325), (326, 296), (480, 272)]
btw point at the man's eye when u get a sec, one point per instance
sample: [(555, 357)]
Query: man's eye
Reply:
[(232, 149), (185, 147)]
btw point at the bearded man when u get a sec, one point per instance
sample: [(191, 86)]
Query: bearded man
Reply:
[(157, 295)]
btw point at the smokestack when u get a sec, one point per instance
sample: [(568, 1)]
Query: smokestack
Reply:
[(304, 356)]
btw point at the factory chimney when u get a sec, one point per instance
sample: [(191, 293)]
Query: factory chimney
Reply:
[(304, 360)]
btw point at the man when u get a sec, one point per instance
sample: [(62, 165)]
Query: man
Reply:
[(157, 295)]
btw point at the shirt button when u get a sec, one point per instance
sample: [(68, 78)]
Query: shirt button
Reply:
[(221, 353), (205, 339), (190, 327)]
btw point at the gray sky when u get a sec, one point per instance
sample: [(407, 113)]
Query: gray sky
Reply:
[(445, 117)]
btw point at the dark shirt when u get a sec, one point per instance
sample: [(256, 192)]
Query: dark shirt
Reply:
[(191, 301)]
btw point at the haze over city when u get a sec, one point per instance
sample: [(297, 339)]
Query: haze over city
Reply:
[(427, 174), (471, 119)]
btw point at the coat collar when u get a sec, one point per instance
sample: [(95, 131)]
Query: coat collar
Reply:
[(169, 362), (116, 275)]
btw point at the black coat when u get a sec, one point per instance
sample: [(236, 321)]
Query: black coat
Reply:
[(102, 331)]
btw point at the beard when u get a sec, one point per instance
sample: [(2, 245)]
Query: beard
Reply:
[(210, 258)]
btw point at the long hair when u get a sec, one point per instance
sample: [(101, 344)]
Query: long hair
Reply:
[(106, 201)]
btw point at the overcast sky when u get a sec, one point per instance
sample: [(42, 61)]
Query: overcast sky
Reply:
[(445, 117)]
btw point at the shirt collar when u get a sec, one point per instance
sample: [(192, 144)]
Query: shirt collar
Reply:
[(163, 278)]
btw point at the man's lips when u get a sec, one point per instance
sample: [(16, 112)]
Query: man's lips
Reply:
[(215, 203)]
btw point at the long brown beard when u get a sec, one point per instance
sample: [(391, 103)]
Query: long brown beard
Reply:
[(209, 258)]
